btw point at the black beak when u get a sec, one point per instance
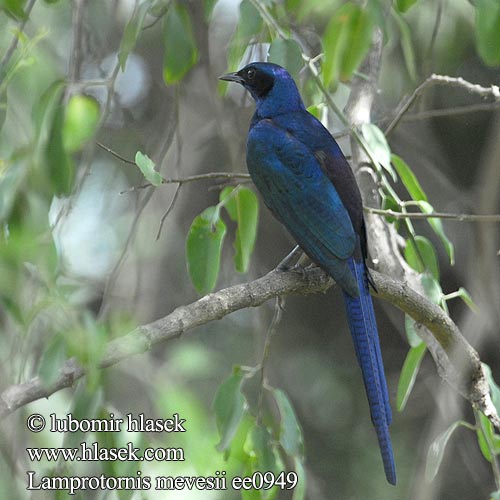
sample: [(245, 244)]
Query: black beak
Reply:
[(232, 77)]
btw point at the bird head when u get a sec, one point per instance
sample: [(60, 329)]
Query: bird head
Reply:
[(270, 85)]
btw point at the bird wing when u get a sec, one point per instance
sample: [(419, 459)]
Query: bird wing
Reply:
[(303, 198), (311, 132)]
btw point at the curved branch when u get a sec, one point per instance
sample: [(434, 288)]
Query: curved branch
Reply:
[(474, 88), (217, 305), (209, 308), (434, 215), (457, 361)]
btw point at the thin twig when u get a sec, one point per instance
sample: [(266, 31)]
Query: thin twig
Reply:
[(473, 88), (192, 178), (492, 91), (437, 22), (110, 87), (210, 175), (433, 215), (459, 110), (75, 54), (113, 277), (278, 313), (115, 154), (169, 209), (433, 113), (269, 19), (181, 180), (162, 12)]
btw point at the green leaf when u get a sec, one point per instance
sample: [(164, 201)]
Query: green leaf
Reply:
[(432, 288), (14, 9), (250, 494), (249, 24), (377, 10), (80, 122), (437, 226), (229, 406), (408, 178), (290, 434), (208, 6), (250, 21), (147, 167), (262, 456), (379, 148), (423, 257), (436, 450), (262, 446), (3, 111), (299, 492), (243, 208), (316, 110), (203, 249), (411, 334), (488, 31), (132, 31), (287, 53), (485, 434), (389, 203), (85, 405), (12, 177), (87, 343), (181, 53), (57, 160), (237, 450), (404, 5), (227, 200), (488, 441), (43, 113), (407, 46), (346, 42), (494, 389), (495, 495), (409, 373), (52, 359), (465, 296), (157, 10)]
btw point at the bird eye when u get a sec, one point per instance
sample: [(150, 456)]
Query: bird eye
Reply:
[(251, 74)]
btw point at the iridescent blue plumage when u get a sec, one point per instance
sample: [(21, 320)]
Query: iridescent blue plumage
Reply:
[(307, 183)]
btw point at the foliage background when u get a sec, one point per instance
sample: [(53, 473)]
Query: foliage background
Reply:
[(80, 262)]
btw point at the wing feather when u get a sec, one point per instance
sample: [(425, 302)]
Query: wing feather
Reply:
[(302, 197)]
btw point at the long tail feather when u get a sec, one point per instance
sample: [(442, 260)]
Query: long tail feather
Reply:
[(364, 332)]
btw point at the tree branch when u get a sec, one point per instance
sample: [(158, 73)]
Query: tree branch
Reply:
[(217, 305), (382, 237), (434, 215), (473, 88), (457, 362), (209, 308)]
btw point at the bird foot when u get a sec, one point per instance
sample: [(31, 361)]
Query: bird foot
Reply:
[(298, 269), (286, 263)]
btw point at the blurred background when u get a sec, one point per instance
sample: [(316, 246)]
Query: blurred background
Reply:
[(81, 260)]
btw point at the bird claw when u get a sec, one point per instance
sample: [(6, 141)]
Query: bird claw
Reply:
[(298, 269), (285, 264)]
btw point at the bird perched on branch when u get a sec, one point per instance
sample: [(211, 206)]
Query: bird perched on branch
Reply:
[(308, 185)]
